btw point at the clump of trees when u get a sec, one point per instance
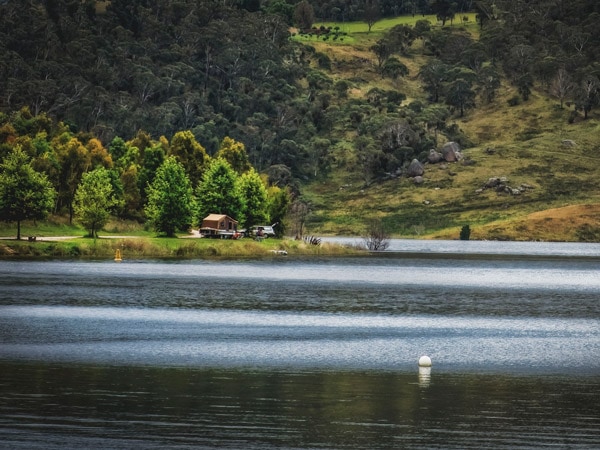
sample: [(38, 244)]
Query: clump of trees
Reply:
[(171, 185)]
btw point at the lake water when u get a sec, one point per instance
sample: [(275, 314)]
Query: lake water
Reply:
[(306, 353)]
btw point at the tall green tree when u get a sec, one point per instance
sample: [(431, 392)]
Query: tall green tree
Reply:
[(444, 10), (460, 95), (489, 80), (372, 13), (24, 193), (190, 153), (279, 202), (588, 94), (94, 200), (171, 202), (154, 157), (219, 193), (74, 160), (434, 74), (234, 152), (254, 192), (434, 118)]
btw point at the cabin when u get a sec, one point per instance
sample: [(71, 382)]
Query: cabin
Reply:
[(219, 226)]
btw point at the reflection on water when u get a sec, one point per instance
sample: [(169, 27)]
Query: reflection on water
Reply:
[(289, 353), (424, 376), (58, 406)]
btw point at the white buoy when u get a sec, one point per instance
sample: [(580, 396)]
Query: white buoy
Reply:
[(424, 361), (424, 371)]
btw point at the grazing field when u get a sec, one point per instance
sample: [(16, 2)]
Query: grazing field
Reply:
[(532, 143)]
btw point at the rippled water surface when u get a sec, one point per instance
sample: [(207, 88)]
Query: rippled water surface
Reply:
[(289, 353)]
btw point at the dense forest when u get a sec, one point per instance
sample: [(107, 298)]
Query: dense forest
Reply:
[(134, 74)]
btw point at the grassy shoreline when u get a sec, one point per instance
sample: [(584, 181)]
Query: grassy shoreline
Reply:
[(132, 248)]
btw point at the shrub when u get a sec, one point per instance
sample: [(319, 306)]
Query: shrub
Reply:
[(514, 101), (465, 233)]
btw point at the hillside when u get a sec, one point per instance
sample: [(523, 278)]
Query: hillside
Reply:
[(337, 117), (531, 144)]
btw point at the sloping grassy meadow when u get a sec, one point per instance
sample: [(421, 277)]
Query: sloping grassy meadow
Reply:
[(522, 143)]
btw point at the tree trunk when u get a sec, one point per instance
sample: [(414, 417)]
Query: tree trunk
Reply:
[(18, 230)]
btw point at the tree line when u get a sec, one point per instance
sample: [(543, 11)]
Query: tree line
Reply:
[(171, 185)]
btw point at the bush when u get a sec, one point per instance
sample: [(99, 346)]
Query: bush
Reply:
[(465, 233), (514, 101)]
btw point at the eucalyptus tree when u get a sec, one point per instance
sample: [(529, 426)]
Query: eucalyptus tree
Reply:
[(460, 95), (371, 13), (433, 117), (588, 94), (383, 50), (434, 73), (368, 158), (444, 10), (562, 85), (279, 200), (489, 81)]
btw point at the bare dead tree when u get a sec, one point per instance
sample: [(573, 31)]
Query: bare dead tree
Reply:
[(376, 239), (299, 210)]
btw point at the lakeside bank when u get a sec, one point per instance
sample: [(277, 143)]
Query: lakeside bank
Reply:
[(138, 247)]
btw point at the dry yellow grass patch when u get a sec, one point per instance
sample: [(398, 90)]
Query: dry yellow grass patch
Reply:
[(570, 223)]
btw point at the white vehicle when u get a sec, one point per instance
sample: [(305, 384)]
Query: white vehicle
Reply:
[(263, 231)]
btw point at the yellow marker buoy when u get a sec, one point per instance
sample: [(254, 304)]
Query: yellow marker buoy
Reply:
[(118, 256)]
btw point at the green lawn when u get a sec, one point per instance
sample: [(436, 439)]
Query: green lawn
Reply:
[(356, 32)]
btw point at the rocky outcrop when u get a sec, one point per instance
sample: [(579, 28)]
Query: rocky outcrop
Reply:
[(501, 186), (451, 152), (434, 157), (415, 169)]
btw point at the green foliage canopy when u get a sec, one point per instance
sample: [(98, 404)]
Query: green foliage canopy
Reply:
[(219, 193), (171, 201), (94, 200), (24, 193), (254, 192)]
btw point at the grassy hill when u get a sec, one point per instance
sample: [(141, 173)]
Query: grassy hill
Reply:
[(522, 143)]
